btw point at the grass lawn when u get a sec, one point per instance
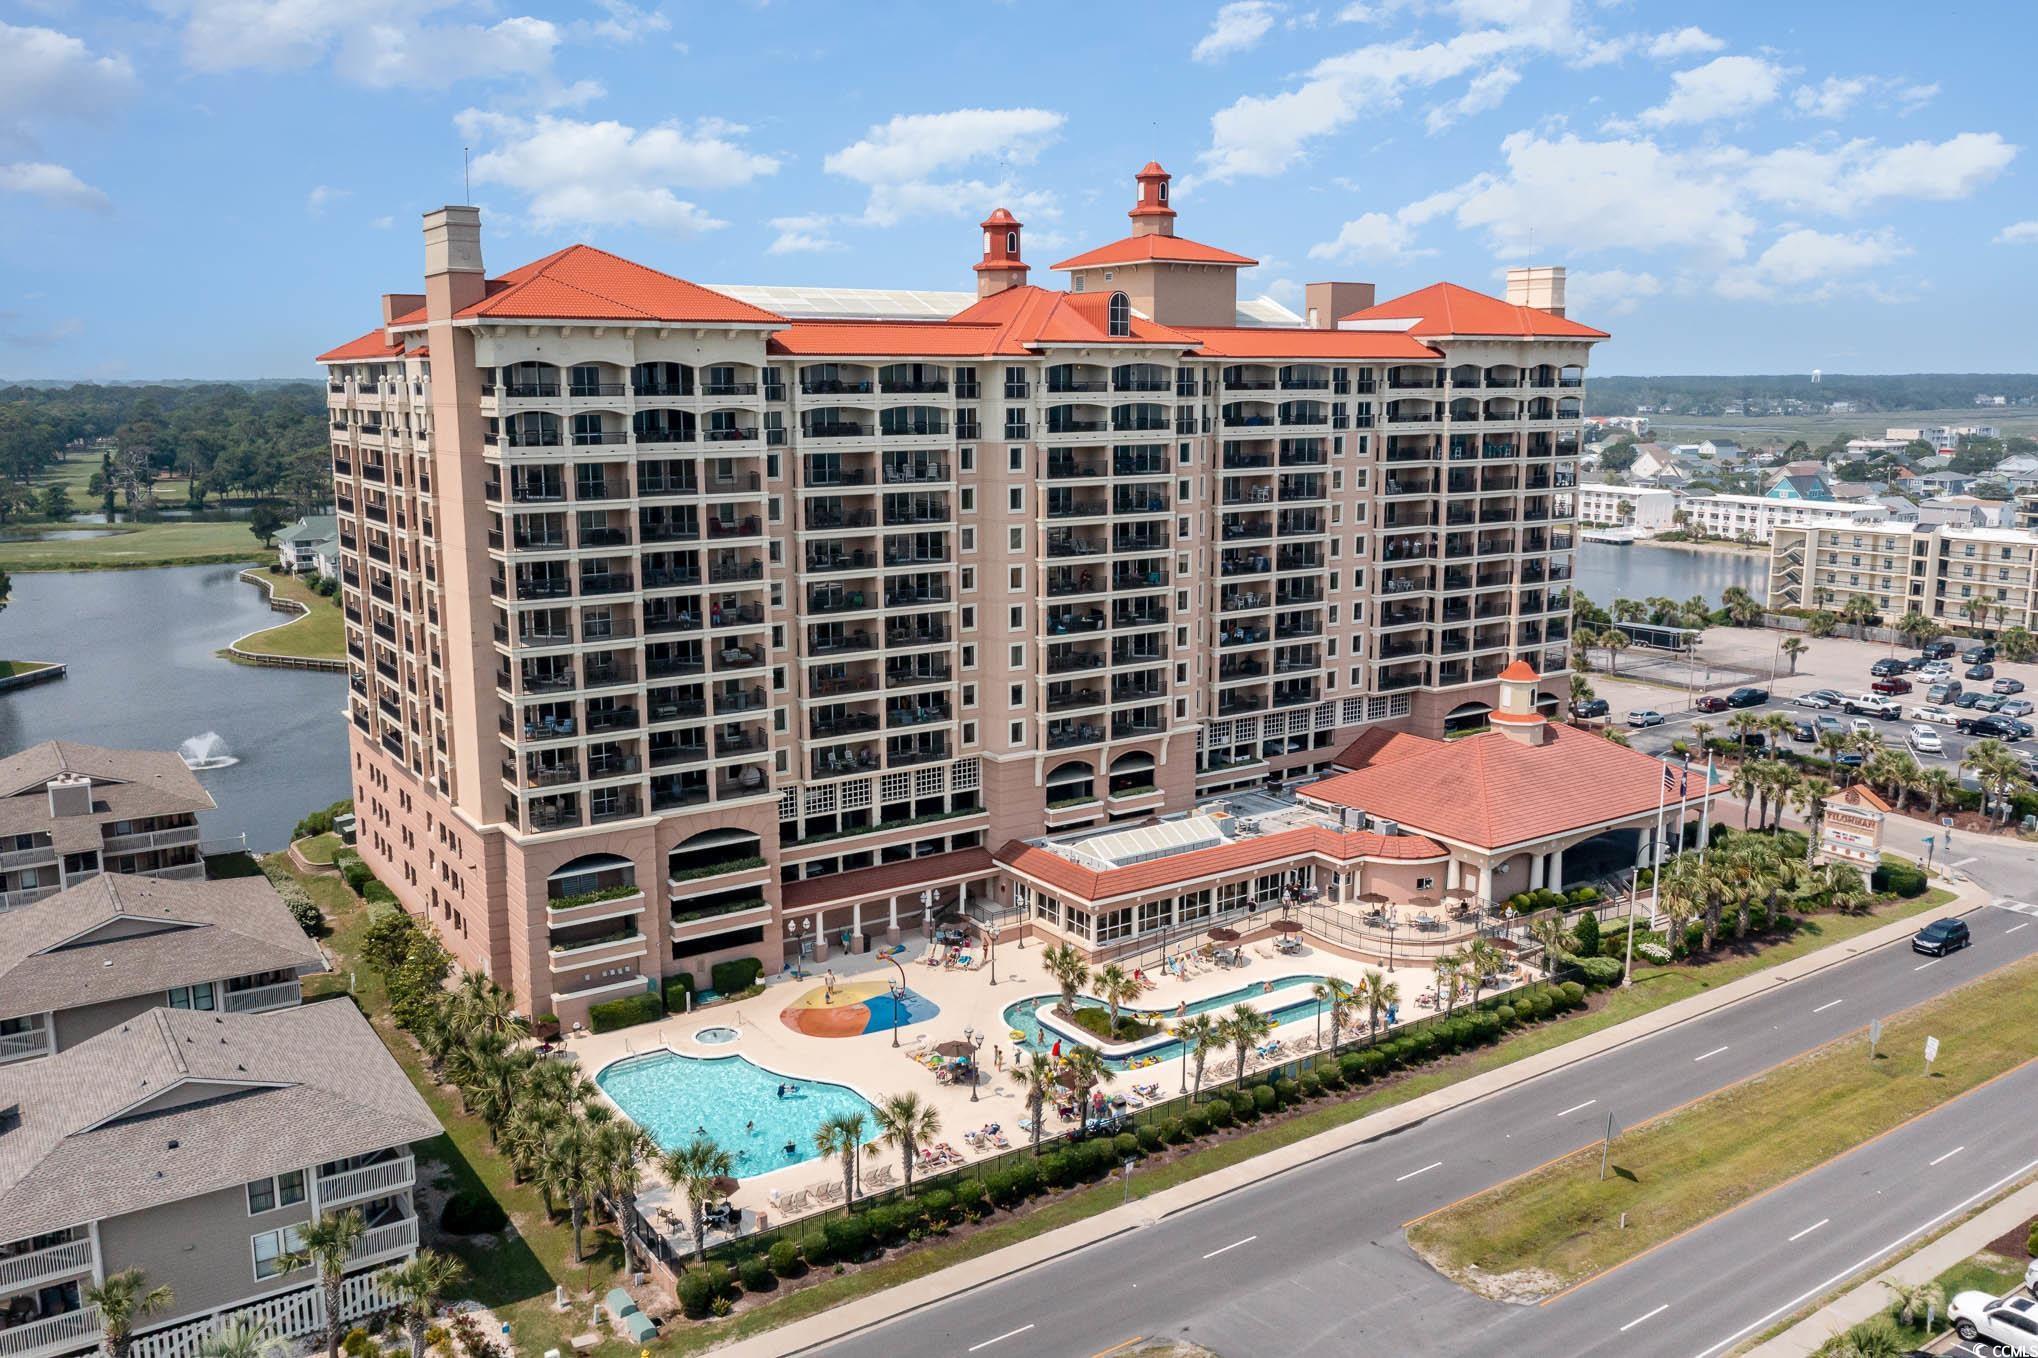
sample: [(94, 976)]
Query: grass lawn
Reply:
[(320, 634), (320, 849), (10, 668), (1561, 1224), (75, 475), (167, 543)]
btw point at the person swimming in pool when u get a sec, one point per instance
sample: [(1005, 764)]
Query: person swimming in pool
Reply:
[(792, 1148), (750, 1128)]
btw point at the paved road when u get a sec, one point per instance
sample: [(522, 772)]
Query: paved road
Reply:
[(1315, 1258)]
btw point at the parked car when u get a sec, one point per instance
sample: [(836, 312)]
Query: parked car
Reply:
[(1803, 733), (1938, 650), (1887, 666), (1944, 691), (1978, 654), (1925, 740), (1989, 727), (1915, 663), (2008, 1326), (1981, 670), (1943, 716), (1711, 702), (1968, 700), (1645, 717), (1985, 702), (1748, 697), (1891, 685), (1874, 705), (1941, 936), (1935, 671), (1591, 707), (2017, 707), (2008, 686), (1820, 698), (2023, 727), (1862, 726)]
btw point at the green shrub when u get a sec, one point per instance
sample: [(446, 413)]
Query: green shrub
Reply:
[(1175, 1131), (1600, 971), (1126, 1146), (1899, 879), (756, 1274), (2031, 1241), (1574, 994), (1586, 932), (357, 1344), (846, 1239), (1055, 1169), (1352, 1065), (888, 1222), (1584, 895), (624, 1013), (1265, 1100), (677, 988), (937, 1207), (1196, 1122), (471, 1211), (1097, 1157), (1309, 1085), (785, 1259), (1220, 1112), (1506, 1013), (1150, 1138), (972, 1195), (695, 1294), (1330, 1075), (728, 978)]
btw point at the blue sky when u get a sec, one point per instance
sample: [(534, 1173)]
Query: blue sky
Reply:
[(221, 188)]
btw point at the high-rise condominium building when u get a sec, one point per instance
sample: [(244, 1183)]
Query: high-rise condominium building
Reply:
[(696, 624)]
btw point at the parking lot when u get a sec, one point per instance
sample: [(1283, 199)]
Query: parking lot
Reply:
[(1838, 663)]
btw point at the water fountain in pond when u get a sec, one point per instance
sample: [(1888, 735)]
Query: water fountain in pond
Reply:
[(208, 751)]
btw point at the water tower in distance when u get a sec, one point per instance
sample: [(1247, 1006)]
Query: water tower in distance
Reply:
[(1815, 377)]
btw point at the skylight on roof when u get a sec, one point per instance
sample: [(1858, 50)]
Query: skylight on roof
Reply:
[(1123, 848)]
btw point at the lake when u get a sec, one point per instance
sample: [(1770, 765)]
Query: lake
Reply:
[(143, 675), (1606, 572)]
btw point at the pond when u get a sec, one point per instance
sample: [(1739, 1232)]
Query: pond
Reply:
[(1606, 572), (144, 674)]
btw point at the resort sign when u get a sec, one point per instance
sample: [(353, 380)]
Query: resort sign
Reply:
[(1850, 830)]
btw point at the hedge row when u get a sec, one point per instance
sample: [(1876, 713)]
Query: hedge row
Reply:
[(627, 1012)]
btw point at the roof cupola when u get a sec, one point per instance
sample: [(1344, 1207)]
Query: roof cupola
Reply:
[(1153, 214), (1001, 267)]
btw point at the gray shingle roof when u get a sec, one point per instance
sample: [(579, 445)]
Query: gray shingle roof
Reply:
[(126, 785), (176, 1103), (114, 936)]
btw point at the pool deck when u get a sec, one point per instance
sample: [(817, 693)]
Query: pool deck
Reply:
[(869, 1065)]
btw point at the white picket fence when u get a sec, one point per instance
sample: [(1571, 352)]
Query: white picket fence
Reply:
[(292, 1315)]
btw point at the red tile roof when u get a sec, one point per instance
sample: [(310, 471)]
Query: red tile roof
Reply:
[(1448, 309), (1294, 342), (1168, 249), (1092, 884), (583, 283), (370, 346), (1493, 790), (1379, 746), (884, 339), (885, 879), (1030, 317), (1520, 672)]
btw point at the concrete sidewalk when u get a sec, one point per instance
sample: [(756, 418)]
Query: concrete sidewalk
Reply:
[(1871, 1298), (868, 1312)]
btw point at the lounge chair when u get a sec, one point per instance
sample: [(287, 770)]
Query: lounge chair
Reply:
[(792, 1203)]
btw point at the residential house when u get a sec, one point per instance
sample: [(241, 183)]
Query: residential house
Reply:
[(1723, 451), (1945, 482), (1801, 486), (97, 954), (70, 811), (299, 545), (1654, 462), (1855, 491), (2019, 473), (195, 1147), (1900, 509)]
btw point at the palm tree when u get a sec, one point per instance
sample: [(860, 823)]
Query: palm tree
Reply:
[(1337, 996), (1613, 641), (1449, 971), (1938, 786), (1915, 629), (1069, 971), (620, 1149), (2018, 644), (122, 1299), (1810, 796), (1245, 1028), (1795, 647), (842, 1136), (693, 1169), (1086, 1070), (1701, 731), (1548, 929), (419, 1286), (1039, 1085), (1482, 960), (906, 1121), (1859, 610), (523, 1141), (486, 1007), (1843, 888), (1199, 1035), (1581, 689), (240, 1338), (1378, 994), (328, 1246), (1909, 1302), (1997, 771), (1115, 987), (1744, 724), (568, 1171)]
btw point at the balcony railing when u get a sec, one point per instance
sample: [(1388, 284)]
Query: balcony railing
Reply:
[(255, 999), (37, 1266), (53, 1334), (367, 1181)]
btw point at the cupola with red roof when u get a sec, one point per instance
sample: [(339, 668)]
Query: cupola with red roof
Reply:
[(1516, 716), (1152, 215), (1001, 267)]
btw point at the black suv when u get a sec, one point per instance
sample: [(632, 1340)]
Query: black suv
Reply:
[(1989, 727), (1940, 937), (1978, 655), (1748, 697), (1886, 668), (1590, 707), (1939, 650)]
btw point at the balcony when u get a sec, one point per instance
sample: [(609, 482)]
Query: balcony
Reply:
[(257, 999), (21, 1271), (52, 1335), (367, 1181)]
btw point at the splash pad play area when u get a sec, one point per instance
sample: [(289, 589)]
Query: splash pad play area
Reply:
[(855, 1008)]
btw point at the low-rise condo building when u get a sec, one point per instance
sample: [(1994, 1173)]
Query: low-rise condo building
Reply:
[(70, 811), (1756, 518), (1646, 510), (690, 624), (1955, 576)]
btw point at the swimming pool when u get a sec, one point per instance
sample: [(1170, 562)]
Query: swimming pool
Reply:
[(1019, 1017), (733, 1100)]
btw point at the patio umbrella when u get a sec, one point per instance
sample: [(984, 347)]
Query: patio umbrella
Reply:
[(722, 1186), (955, 1047), (1223, 935), (1287, 926), (1372, 898), (1423, 903)]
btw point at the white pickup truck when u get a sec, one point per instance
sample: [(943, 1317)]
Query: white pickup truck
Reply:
[(1873, 705)]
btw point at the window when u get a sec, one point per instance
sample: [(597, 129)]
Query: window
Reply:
[(271, 1248), (1012, 243), (1119, 316), (285, 1190), (191, 996)]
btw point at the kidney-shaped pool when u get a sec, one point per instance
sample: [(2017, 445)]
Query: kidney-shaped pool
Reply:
[(751, 1112)]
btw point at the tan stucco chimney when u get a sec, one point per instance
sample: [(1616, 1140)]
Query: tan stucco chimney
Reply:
[(1325, 304), (70, 795), (1540, 286)]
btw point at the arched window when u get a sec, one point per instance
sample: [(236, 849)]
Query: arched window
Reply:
[(1164, 193), (1012, 243), (1120, 316)]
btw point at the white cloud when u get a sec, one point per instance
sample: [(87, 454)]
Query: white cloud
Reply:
[(1485, 92), (899, 162), (582, 174), (381, 44), (625, 22), (1609, 292), (1831, 97), (1690, 41), (55, 183), (801, 235), (1237, 27), (48, 72), (1725, 87), (383, 223), (19, 332), (2019, 233), (1380, 237), (1852, 175), (322, 197), (1808, 265)]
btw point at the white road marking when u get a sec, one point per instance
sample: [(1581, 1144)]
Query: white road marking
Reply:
[(1827, 1005), (1232, 1246), (1424, 1170), (1576, 1106), (1639, 1319), (1807, 1230), (1006, 1335), (1948, 1155), (1963, 862), (1714, 1052), (1819, 1289), (1933, 963), (2014, 927)]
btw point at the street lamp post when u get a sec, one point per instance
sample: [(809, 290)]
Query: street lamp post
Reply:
[(991, 933), (898, 1000), (976, 1044)]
